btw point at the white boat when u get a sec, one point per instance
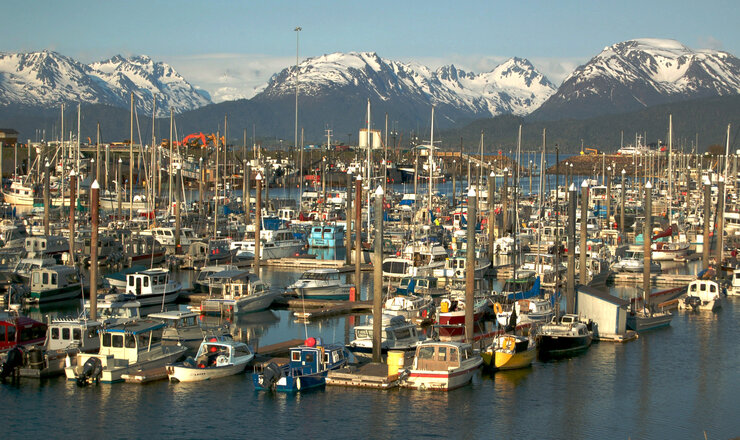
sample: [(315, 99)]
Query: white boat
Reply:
[(237, 291), (278, 243), (114, 309), (166, 236), (634, 261), (442, 366), (124, 349), (410, 306), (734, 288), (182, 327), (397, 334), (564, 337), (528, 311), (217, 357), (321, 284), (64, 337), (152, 287), (669, 251), (702, 295)]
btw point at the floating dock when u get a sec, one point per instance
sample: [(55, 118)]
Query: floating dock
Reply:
[(145, 376), (372, 375), (313, 263), (313, 309), (655, 279)]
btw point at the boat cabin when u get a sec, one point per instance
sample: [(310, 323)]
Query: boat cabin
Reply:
[(320, 275), (313, 358), (395, 328), (127, 341), (231, 284), (441, 356), (51, 246), (147, 281), (81, 333), (54, 283), (706, 290), (20, 330), (177, 318), (116, 312)]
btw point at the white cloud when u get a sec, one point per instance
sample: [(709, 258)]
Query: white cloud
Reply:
[(709, 42), (228, 76)]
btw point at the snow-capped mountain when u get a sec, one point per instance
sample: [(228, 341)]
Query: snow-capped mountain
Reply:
[(512, 87), (640, 73), (48, 78)]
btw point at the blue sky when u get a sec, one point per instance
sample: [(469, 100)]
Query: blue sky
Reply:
[(230, 47)]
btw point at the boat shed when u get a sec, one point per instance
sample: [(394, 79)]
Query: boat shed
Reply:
[(607, 311)]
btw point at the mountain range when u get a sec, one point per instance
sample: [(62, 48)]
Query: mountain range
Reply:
[(334, 88)]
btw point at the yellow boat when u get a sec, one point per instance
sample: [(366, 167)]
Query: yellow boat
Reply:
[(508, 352)]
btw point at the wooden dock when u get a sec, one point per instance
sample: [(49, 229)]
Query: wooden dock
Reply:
[(278, 349), (313, 263), (655, 279), (322, 309), (372, 375)]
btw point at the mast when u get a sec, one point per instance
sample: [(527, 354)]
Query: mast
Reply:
[(670, 169), (430, 162), (131, 163), (369, 164)]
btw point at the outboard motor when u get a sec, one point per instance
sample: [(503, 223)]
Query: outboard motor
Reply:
[(91, 370), (12, 363), (270, 375)]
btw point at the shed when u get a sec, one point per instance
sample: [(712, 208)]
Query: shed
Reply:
[(607, 311), (8, 136)]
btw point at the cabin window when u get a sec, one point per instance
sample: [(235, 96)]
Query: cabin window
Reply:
[(327, 358), (2, 333), (130, 341), (43, 245), (106, 339), (442, 354), (91, 333), (54, 333), (11, 333), (54, 279), (295, 356), (335, 356), (65, 334), (131, 281), (713, 288), (403, 333), (693, 288), (309, 358), (77, 334), (146, 281), (703, 287), (453, 355), (426, 353), (117, 341), (45, 278), (161, 279), (155, 281)]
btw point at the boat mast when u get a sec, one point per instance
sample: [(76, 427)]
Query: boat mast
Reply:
[(131, 163), (430, 162), (670, 169), (369, 164)]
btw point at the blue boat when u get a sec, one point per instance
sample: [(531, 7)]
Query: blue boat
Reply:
[(307, 368), (326, 236)]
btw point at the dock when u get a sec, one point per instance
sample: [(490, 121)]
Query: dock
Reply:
[(655, 279), (313, 263), (279, 348), (145, 376), (372, 375), (313, 309)]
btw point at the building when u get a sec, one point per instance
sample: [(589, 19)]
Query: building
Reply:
[(606, 310), (8, 137)]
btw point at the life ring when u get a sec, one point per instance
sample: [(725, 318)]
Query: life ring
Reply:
[(497, 308), (298, 383)]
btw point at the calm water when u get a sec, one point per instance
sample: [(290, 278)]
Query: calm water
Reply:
[(672, 383)]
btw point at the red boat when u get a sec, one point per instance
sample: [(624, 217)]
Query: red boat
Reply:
[(451, 316), (20, 330)]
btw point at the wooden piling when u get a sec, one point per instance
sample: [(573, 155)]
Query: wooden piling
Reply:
[(571, 275), (95, 219), (621, 209), (491, 217), (178, 202), (348, 216), (47, 201), (358, 233), (707, 241), (470, 266), (720, 222), (378, 276)]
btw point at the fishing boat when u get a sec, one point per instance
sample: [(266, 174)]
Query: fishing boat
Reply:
[(114, 309), (25, 266), (125, 348), (307, 367), (420, 285), (166, 235), (64, 337), (410, 306), (182, 327), (647, 319), (634, 261), (669, 251), (16, 330), (50, 246), (54, 283), (280, 242), (397, 334), (734, 288), (143, 249), (326, 236), (702, 295), (237, 291), (201, 283), (564, 337), (217, 356), (442, 366), (152, 287), (527, 312), (509, 352), (451, 315), (321, 284)]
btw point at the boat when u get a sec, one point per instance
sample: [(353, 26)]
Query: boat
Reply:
[(669, 251), (117, 308), (509, 352), (442, 366), (647, 319), (152, 287), (397, 334), (124, 349), (451, 315), (321, 284), (217, 356), (201, 283), (734, 288), (166, 236), (420, 285), (64, 337), (24, 267), (237, 291), (565, 336), (117, 280), (51, 246), (275, 243), (307, 367), (702, 295), (143, 249), (326, 236), (634, 261), (16, 330), (182, 327), (523, 285), (410, 306), (54, 283), (527, 312)]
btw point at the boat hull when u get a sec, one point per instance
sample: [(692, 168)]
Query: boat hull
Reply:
[(182, 373), (641, 323), (442, 380), (561, 345)]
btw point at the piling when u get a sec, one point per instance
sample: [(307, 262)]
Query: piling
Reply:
[(707, 241), (584, 233), (178, 202), (607, 176), (570, 297), (454, 182), (358, 232), (470, 266), (378, 276), (1, 161), (647, 239), (258, 225), (621, 210), (720, 222), (119, 192), (201, 181), (72, 188), (267, 176), (95, 219), (47, 201), (348, 216), (247, 194)]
